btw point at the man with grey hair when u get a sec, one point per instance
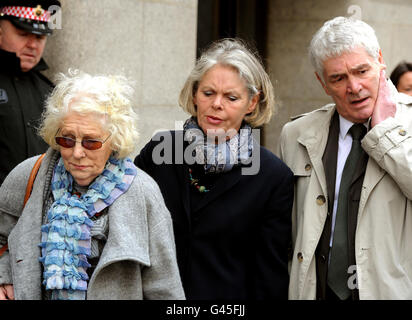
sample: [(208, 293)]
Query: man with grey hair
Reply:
[(352, 161)]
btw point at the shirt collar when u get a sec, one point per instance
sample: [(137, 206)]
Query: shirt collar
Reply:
[(345, 125)]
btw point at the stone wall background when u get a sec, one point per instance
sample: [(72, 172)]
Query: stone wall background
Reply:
[(152, 42)]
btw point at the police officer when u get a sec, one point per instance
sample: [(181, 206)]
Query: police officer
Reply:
[(24, 27)]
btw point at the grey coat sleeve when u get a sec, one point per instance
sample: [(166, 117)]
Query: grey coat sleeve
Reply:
[(12, 193)]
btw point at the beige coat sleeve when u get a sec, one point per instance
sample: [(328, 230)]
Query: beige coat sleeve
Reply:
[(390, 144)]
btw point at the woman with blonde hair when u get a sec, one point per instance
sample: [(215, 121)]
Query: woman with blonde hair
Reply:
[(95, 226), (230, 198)]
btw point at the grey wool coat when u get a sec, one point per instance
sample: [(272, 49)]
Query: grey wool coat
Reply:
[(137, 262)]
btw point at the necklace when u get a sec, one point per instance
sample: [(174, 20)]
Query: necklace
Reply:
[(195, 182)]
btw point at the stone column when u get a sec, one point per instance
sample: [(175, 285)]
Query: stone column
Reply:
[(152, 42), (291, 25)]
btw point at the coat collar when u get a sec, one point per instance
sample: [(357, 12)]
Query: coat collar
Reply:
[(127, 239), (311, 137), (12, 63), (314, 140)]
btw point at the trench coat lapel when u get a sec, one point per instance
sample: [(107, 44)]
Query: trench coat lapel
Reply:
[(329, 159), (314, 139)]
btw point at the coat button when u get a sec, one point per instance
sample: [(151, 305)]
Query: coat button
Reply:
[(323, 258), (300, 256), (308, 167), (402, 132), (320, 200)]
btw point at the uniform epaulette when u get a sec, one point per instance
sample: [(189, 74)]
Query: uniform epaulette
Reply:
[(324, 108)]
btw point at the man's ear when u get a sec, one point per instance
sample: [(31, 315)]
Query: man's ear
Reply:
[(322, 83), (380, 59)]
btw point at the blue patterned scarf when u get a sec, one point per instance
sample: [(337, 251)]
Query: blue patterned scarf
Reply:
[(66, 240), (221, 157)]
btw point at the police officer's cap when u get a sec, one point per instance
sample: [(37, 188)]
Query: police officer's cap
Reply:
[(30, 15)]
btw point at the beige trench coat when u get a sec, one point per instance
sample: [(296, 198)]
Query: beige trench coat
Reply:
[(383, 240)]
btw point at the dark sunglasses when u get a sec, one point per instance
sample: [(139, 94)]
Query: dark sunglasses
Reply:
[(89, 144)]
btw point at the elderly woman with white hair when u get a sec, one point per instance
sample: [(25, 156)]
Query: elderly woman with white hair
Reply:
[(230, 198), (95, 226)]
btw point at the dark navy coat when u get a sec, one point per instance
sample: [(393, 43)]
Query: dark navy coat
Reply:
[(232, 242)]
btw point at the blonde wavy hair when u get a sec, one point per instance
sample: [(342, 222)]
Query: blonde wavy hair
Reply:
[(108, 97), (233, 53)]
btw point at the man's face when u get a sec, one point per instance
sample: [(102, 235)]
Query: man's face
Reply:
[(352, 80), (27, 46)]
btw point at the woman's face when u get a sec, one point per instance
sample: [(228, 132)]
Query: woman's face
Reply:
[(83, 164), (222, 100), (405, 83)]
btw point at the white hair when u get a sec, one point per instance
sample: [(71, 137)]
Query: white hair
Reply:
[(341, 35), (107, 97)]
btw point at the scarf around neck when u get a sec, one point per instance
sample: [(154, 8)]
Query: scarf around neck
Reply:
[(66, 240), (222, 157)]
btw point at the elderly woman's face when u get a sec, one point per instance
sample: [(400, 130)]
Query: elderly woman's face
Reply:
[(222, 100), (83, 164)]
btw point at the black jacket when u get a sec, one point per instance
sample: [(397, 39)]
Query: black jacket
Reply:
[(22, 96), (231, 242)]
